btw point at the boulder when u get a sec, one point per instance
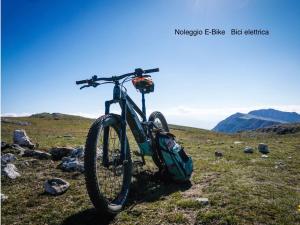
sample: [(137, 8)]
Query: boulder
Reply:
[(77, 152), (56, 186), (71, 164), (3, 197), (9, 170), (248, 149), (58, 153), (263, 148), (17, 149), (20, 137), (36, 154), (7, 158), (4, 145)]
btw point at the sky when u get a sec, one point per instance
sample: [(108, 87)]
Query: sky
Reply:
[(46, 45)]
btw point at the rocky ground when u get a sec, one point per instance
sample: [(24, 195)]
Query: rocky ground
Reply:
[(247, 178)]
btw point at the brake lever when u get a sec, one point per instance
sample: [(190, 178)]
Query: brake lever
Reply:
[(84, 86)]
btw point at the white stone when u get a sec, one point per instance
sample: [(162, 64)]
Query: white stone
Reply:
[(3, 197), (9, 170), (56, 186), (203, 201), (20, 137)]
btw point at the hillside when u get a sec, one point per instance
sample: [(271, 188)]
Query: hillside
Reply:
[(255, 120), (241, 188)]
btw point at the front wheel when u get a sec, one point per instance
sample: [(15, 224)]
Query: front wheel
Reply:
[(107, 171)]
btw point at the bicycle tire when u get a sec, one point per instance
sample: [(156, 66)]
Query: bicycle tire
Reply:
[(100, 202), (157, 157)]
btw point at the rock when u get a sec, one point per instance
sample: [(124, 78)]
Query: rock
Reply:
[(58, 153), (3, 197), (77, 152), (4, 145), (279, 164), (99, 153), (71, 164), (9, 170), (56, 186), (17, 149), (208, 141), (21, 123), (289, 157), (218, 154), (263, 148), (14, 149), (30, 162), (7, 158), (237, 142), (248, 150), (20, 137), (68, 136), (36, 154), (264, 156), (203, 201)]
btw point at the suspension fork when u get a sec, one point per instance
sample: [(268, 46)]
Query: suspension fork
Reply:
[(122, 134), (123, 129)]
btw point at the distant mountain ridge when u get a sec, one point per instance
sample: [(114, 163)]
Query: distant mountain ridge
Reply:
[(255, 119)]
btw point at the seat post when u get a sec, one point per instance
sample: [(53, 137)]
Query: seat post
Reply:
[(144, 106)]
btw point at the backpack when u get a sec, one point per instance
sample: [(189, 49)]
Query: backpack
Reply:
[(177, 164)]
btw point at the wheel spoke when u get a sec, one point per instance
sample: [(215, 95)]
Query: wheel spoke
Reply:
[(110, 177)]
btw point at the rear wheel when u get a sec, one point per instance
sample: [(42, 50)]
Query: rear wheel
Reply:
[(107, 173), (160, 121)]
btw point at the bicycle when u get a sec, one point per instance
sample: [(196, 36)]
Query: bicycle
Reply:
[(107, 160)]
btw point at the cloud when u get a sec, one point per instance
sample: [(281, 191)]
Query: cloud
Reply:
[(15, 114)]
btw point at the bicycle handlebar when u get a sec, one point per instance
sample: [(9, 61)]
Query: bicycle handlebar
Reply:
[(152, 70), (82, 81), (137, 72)]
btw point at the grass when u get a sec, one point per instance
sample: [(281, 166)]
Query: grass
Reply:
[(241, 188)]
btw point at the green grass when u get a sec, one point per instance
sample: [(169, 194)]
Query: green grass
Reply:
[(242, 188)]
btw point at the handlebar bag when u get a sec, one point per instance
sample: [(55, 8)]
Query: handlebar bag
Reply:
[(144, 84), (176, 162)]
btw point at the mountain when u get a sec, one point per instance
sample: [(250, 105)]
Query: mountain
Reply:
[(255, 120), (290, 117)]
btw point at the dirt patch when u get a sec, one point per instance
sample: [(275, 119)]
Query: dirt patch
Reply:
[(197, 189)]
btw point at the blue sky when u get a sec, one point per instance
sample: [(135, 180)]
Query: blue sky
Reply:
[(49, 44)]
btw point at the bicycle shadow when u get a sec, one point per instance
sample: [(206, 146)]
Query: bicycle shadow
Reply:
[(146, 187), (149, 187)]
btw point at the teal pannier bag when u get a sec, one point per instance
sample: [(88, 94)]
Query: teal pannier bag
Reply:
[(177, 164)]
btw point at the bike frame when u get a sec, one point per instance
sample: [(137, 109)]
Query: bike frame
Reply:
[(129, 111)]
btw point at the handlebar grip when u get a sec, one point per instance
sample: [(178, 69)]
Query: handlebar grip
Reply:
[(152, 70), (82, 81)]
